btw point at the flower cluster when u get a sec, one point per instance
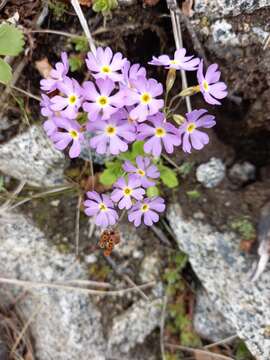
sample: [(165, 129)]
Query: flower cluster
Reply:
[(122, 105)]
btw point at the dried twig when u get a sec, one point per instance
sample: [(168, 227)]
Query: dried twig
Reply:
[(77, 224), (222, 342)]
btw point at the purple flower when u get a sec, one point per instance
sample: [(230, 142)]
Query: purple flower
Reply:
[(101, 104), (145, 171), (126, 190), (159, 133), (132, 73), (148, 209), (144, 96), (191, 136), (105, 65), (112, 135), (71, 102), (45, 105), (72, 133), (210, 86), (56, 75), (50, 127), (179, 62), (102, 208)]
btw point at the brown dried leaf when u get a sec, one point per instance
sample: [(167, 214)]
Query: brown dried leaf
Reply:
[(44, 67), (187, 8), (87, 3), (89, 184)]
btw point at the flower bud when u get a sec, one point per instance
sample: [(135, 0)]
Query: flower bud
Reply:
[(190, 91), (170, 79), (179, 119)]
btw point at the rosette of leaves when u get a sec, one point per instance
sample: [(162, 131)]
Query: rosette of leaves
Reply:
[(104, 6), (11, 44)]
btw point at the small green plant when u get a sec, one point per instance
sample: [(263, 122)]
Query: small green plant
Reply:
[(193, 194), (185, 168), (80, 44), (58, 9), (75, 63), (104, 6), (11, 44), (244, 227), (179, 322), (242, 352), (114, 169)]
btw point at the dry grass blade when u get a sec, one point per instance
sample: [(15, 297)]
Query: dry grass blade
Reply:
[(214, 356), (59, 286)]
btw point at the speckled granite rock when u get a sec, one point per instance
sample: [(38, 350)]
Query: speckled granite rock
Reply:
[(208, 322), (210, 174), (68, 325), (219, 8), (133, 326), (30, 156), (224, 272)]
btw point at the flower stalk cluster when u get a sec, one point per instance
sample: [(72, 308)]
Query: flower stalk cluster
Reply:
[(121, 105)]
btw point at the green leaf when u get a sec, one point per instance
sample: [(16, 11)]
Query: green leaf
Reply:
[(112, 173), (11, 40), (104, 5), (5, 72), (2, 187), (75, 63), (152, 191), (137, 148), (168, 176)]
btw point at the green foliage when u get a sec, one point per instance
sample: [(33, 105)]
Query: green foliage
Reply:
[(179, 321), (58, 9), (193, 194), (75, 63), (136, 150), (104, 6), (5, 72), (244, 227), (242, 352), (152, 191), (11, 40), (112, 172), (168, 176), (185, 168), (2, 184), (11, 43), (80, 43)]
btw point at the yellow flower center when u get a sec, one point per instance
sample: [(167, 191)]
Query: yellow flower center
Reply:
[(103, 101), (127, 191), (174, 62), (141, 172), (72, 99), (106, 69), (160, 132), (110, 130), (74, 134), (205, 85), (102, 207), (144, 207), (191, 127), (146, 98)]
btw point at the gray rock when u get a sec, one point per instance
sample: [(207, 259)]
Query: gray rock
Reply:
[(211, 173), (223, 34), (67, 324), (30, 156), (208, 322), (242, 173), (224, 272), (133, 326), (220, 8), (150, 268)]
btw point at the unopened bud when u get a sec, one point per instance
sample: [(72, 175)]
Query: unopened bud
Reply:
[(190, 91), (179, 119), (170, 79)]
